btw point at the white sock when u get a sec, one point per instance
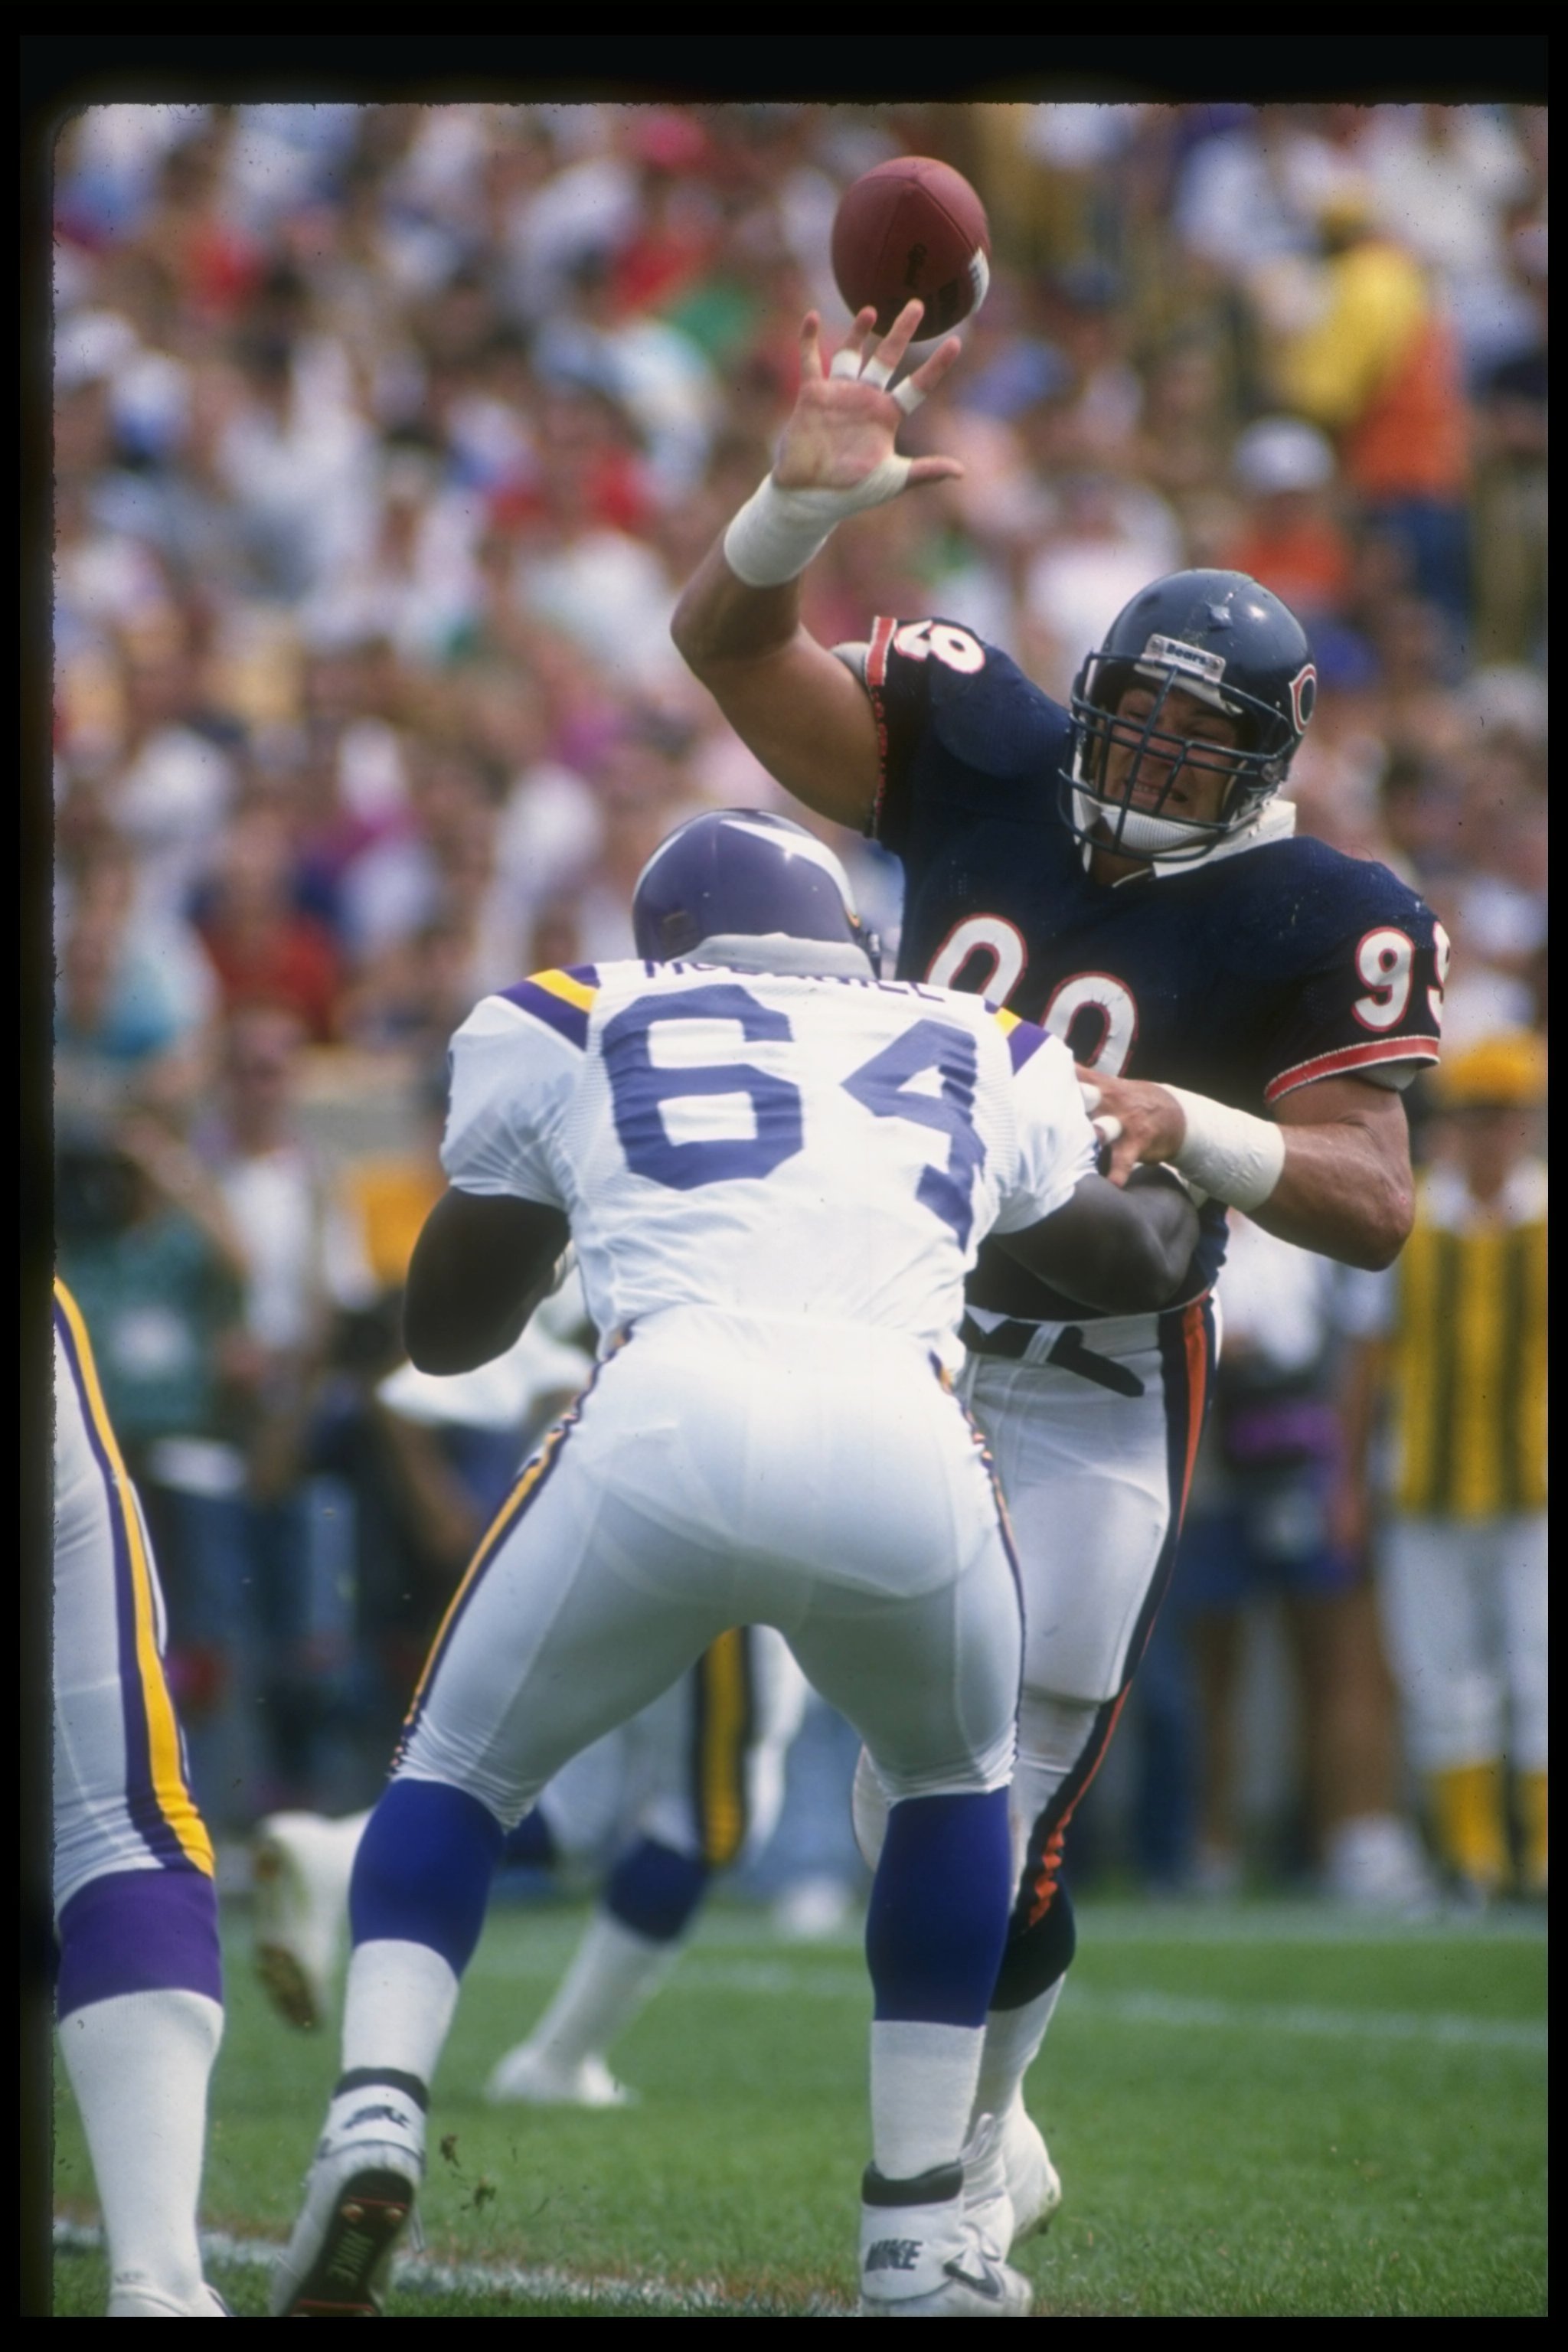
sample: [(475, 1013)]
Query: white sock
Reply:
[(397, 2008), (139, 2063), (923, 2088), (614, 1971), (1012, 2038)]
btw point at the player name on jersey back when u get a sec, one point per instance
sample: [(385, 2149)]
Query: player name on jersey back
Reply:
[(829, 1148)]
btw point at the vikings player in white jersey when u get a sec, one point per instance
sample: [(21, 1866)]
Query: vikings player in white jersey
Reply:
[(138, 1993), (776, 1170)]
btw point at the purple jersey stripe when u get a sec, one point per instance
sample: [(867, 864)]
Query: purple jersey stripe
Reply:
[(560, 1012), (145, 1813), (1024, 1041)]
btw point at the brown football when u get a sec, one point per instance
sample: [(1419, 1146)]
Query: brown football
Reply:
[(912, 229)]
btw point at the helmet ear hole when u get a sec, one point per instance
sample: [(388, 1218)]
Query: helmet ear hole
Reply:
[(676, 936)]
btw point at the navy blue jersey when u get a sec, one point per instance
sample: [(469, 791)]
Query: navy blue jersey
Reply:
[(1254, 971)]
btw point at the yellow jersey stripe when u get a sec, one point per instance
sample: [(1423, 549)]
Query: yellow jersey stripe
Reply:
[(561, 984)]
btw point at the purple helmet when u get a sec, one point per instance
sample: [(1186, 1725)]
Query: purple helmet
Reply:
[(743, 874)]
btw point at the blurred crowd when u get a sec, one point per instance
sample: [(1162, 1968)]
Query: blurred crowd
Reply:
[(384, 439)]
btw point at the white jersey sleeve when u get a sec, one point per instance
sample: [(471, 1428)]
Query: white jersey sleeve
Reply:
[(1057, 1143), (515, 1062)]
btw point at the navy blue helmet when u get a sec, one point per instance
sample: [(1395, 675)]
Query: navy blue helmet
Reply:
[(743, 873), (1220, 639)]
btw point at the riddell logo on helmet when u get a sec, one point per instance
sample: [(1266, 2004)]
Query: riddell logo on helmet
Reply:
[(1303, 696), (1194, 661)]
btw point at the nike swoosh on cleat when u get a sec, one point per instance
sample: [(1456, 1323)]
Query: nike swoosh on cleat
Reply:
[(990, 2287)]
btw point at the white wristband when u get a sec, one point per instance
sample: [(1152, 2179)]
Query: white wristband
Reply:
[(1236, 1158), (777, 532)]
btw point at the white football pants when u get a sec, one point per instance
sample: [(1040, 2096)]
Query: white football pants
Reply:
[(701, 1769), (721, 1472), (1095, 1480)]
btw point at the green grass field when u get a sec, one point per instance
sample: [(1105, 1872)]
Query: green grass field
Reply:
[(1272, 2110)]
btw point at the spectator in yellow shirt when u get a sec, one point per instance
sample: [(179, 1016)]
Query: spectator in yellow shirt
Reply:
[(1455, 1344)]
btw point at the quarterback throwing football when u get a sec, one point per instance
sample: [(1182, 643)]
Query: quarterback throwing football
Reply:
[(1243, 1005)]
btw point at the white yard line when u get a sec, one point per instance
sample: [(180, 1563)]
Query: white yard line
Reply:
[(417, 2274), (799, 1980), (731, 1927), (1302, 2017)]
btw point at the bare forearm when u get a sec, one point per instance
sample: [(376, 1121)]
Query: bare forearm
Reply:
[(719, 619), (1123, 1251), (1340, 1195), (793, 703), (1330, 1172), (480, 1268)]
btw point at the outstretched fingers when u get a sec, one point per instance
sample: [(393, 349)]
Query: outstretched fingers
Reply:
[(929, 372), (934, 469), (897, 339), (811, 365)]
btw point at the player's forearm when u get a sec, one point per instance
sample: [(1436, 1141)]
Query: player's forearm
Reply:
[(1330, 1172), (480, 1268), (719, 619), (805, 717), (1125, 1252), (1338, 1193)]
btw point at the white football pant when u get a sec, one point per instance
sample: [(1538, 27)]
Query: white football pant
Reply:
[(723, 1472), (1095, 1481)]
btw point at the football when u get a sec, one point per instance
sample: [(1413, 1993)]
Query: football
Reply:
[(912, 228)]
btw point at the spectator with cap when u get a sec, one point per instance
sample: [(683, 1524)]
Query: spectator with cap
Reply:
[(1290, 538), (1361, 349), (1453, 1343)]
